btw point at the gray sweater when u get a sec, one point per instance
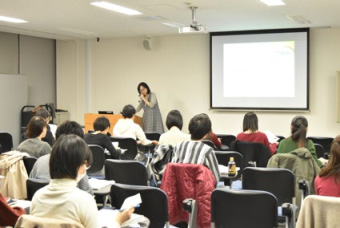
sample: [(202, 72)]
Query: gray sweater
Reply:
[(35, 147), (41, 170)]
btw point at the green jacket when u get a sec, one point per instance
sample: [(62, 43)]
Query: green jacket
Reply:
[(301, 163), (287, 145)]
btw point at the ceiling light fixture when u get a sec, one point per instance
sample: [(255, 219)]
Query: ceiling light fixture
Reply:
[(116, 8), (273, 2), (12, 20)]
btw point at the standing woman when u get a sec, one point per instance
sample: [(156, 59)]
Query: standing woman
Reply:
[(152, 119)]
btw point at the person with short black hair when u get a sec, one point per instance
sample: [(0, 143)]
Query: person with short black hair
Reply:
[(251, 132), (36, 130), (127, 128), (99, 137), (194, 151), (174, 123), (61, 200), (41, 168), (152, 118), (42, 112), (298, 139)]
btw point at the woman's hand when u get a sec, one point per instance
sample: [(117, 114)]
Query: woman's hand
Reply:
[(125, 215)]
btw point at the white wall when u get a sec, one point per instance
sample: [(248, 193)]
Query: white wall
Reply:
[(177, 70)]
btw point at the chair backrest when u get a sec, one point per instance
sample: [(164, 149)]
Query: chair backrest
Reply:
[(278, 181), (226, 139), (129, 144), (245, 208), (326, 142), (6, 142), (319, 211), (98, 158), (252, 151), (154, 204), (34, 185), (320, 151), (41, 222), (152, 135), (29, 163), (126, 172), (280, 137), (223, 157), (209, 143)]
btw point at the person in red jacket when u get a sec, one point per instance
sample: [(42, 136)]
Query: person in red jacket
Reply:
[(9, 215), (252, 134)]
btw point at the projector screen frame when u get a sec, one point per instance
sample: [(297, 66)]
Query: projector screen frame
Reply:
[(266, 31)]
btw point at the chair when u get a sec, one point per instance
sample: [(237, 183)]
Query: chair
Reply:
[(280, 137), (226, 139), (129, 144), (209, 143), (29, 163), (243, 208), (34, 185), (319, 211), (223, 158), (154, 204), (320, 151), (152, 135), (278, 181), (184, 181), (126, 172), (324, 141), (252, 152), (41, 222), (6, 142), (98, 157)]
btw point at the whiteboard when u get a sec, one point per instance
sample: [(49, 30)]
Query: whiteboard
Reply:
[(13, 96)]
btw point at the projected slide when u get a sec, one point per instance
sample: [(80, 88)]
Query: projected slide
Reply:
[(269, 65), (260, 69)]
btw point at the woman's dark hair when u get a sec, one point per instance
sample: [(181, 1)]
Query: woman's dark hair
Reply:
[(35, 127), (299, 130), (333, 165), (68, 154), (145, 86), (128, 111), (101, 123), (199, 126), (69, 127), (250, 122), (174, 118), (42, 112)]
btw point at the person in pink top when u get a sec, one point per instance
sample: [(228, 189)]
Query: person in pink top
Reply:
[(327, 183), (252, 134)]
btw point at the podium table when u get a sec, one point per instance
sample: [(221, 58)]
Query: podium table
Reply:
[(90, 118)]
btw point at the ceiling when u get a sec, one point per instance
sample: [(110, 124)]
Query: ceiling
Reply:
[(74, 19)]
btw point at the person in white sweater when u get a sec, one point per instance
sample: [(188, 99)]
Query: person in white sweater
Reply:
[(61, 199), (127, 128)]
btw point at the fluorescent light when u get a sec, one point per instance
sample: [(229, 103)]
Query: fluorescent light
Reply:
[(11, 19), (273, 2), (116, 8)]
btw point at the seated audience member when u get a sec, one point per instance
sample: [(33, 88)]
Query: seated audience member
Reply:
[(9, 215), (213, 138), (42, 112), (174, 123), (99, 137), (41, 168), (194, 151), (252, 134), (61, 199), (127, 128), (36, 130), (328, 181), (298, 127)]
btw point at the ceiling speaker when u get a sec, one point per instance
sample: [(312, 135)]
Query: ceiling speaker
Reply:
[(147, 44)]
